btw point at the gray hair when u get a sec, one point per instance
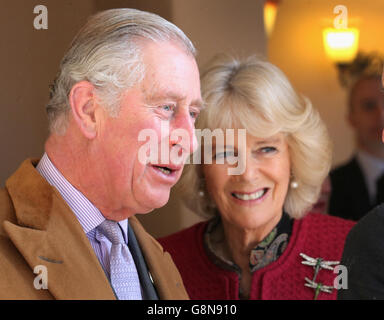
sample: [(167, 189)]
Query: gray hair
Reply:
[(256, 95), (107, 53)]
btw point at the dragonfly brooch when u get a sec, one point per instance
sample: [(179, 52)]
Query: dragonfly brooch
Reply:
[(318, 287), (317, 264)]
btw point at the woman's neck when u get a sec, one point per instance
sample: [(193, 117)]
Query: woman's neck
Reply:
[(240, 242)]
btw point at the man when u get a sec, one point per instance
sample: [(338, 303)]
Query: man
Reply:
[(356, 186), (64, 230)]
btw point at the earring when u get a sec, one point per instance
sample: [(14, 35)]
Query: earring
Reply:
[(294, 184), (202, 188)]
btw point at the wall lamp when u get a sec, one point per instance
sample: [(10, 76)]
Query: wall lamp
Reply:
[(341, 45), (270, 11)]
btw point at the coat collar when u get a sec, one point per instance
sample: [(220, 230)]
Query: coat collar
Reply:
[(47, 233)]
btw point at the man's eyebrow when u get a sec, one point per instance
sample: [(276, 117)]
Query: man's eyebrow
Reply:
[(198, 103), (173, 96), (164, 95)]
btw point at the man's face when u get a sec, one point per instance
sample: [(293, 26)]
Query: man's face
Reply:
[(367, 113), (169, 96)]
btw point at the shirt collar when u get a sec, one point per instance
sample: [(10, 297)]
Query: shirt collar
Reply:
[(267, 251), (372, 168), (88, 215)]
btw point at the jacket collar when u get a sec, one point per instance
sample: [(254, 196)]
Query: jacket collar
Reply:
[(47, 233)]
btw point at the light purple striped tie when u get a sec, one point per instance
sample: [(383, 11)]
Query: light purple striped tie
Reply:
[(124, 277)]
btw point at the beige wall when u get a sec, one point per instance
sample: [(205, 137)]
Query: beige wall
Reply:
[(160, 7), (296, 47), (217, 26), (29, 60)]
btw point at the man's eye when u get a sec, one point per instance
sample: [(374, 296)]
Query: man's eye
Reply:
[(369, 105), (193, 114), (168, 107)]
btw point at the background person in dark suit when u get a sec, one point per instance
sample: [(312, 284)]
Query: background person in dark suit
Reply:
[(356, 186), (364, 257)]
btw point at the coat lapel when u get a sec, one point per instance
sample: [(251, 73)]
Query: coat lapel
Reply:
[(166, 278), (146, 281), (47, 233)]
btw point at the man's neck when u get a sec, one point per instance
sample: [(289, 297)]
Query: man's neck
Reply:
[(377, 152), (76, 166), (79, 164)]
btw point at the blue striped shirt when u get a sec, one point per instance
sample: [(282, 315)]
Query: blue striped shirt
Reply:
[(86, 213)]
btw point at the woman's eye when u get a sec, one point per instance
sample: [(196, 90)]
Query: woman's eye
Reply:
[(224, 154), (268, 149)]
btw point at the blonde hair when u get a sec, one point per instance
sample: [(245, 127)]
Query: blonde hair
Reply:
[(107, 53), (255, 95)]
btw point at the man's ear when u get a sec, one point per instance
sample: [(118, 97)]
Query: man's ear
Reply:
[(84, 108)]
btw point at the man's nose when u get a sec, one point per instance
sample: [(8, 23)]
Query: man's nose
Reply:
[(183, 132)]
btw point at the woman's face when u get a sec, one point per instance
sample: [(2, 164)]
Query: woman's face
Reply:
[(254, 199)]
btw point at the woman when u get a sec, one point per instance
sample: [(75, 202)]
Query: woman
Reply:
[(259, 231)]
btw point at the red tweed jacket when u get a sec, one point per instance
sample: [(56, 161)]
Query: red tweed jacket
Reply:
[(316, 235)]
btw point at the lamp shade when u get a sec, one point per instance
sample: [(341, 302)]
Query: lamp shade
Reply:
[(341, 45)]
